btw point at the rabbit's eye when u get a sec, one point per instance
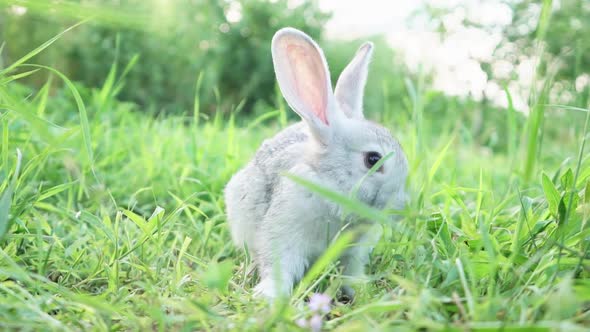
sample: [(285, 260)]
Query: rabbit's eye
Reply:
[(371, 158)]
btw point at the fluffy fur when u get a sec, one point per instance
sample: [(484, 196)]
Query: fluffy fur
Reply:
[(284, 225)]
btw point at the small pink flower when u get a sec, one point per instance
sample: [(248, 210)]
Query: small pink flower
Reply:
[(315, 323), (320, 303)]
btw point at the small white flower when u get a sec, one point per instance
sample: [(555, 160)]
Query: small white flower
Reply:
[(315, 323), (301, 322), (320, 303)]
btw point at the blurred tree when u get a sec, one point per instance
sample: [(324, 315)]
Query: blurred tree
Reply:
[(565, 41), (228, 41), (567, 36), (241, 48), (385, 83)]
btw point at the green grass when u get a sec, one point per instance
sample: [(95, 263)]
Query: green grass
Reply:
[(115, 221)]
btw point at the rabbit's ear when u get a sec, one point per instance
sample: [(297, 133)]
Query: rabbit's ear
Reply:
[(304, 80), (351, 83)]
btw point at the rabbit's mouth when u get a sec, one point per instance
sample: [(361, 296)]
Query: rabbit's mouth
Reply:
[(374, 201)]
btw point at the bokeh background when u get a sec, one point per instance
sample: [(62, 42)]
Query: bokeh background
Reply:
[(467, 51)]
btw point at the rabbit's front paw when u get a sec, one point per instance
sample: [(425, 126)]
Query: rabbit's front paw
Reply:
[(266, 288)]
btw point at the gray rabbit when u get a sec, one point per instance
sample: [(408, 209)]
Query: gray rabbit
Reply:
[(285, 225)]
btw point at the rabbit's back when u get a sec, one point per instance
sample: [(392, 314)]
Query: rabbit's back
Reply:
[(279, 153), (249, 192)]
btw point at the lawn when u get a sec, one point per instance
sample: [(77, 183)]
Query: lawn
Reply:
[(113, 219)]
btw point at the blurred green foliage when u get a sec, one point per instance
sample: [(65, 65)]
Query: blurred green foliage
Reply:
[(177, 40), (385, 84), (227, 42), (565, 39)]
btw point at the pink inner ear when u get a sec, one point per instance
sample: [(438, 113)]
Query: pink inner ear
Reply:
[(309, 79)]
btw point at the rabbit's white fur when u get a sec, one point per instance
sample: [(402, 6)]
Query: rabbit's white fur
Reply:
[(285, 225)]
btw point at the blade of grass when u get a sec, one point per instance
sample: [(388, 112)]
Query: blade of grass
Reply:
[(511, 125), (569, 108), (262, 118), (349, 204), (466, 289), (1, 58), (6, 199), (439, 159), (84, 124), (183, 248), (330, 255), (573, 190), (197, 100), (5, 130), (23, 110), (121, 80), (43, 95), (281, 107), (101, 13), (18, 76), (39, 49)]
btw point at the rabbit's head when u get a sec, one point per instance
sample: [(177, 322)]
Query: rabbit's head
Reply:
[(344, 145)]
